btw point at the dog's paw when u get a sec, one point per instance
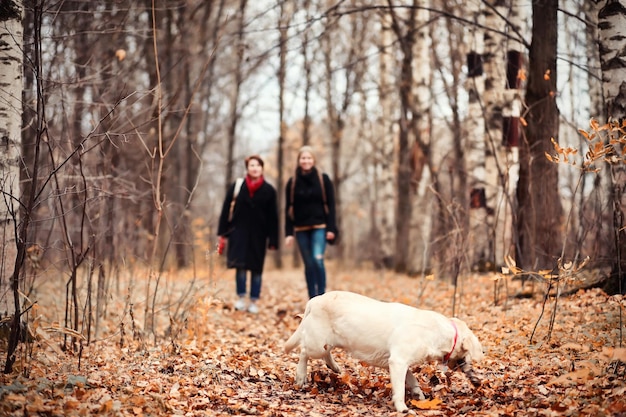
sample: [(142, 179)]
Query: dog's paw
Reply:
[(417, 391), (471, 375), (475, 381), (402, 408), (334, 367)]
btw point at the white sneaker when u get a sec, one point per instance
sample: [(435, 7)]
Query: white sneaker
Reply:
[(253, 308), (240, 304)]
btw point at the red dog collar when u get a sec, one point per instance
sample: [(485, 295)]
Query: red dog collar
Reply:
[(456, 335)]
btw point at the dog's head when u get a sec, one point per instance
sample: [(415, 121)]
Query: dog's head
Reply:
[(469, 349)]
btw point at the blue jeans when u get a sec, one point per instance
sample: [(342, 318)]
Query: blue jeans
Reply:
[(312, 244), (255, 283)]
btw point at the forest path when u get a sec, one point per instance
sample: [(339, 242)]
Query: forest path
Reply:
[(221, 362)]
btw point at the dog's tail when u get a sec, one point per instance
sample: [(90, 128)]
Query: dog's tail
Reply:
[(294, 340)]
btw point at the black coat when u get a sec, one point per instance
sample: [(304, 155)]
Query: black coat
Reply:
[(254, 226), (308, 202)]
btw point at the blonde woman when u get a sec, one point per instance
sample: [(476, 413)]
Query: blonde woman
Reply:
[(310, 218)]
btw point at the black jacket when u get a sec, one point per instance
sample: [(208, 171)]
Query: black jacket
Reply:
[(253, 229), (308, 203)]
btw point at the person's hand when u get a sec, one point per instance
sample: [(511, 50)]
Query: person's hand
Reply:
[(330, 236), (288, 241), (221, 243)]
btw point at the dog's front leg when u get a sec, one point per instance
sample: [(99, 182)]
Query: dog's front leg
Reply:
[(398, 374), (301, 370), (330, 362), (413, 385)]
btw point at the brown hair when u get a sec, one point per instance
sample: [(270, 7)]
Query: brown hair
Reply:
[(257, 158)]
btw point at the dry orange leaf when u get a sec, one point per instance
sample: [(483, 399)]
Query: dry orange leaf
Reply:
[(120, 54), (573, 378), (71, 404), (614, 354), (427, 404)]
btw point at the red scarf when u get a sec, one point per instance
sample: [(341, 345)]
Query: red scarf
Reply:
[(253, 185)]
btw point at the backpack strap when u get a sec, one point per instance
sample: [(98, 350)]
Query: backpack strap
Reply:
[(292, 191), (323, 192), (238, 185)]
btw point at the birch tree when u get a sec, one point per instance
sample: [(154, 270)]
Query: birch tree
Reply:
[(384, 152), (480, 61), (612, 44), (598, 204), (504, 58), (11, 80), (506, 143), (11, 33), (307, 63), (283, 24), (419, 232), (238, 77)]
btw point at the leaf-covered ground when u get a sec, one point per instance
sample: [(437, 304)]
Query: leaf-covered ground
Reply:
[(221, 362)]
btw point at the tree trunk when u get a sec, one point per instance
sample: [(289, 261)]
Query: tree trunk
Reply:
[(383, 214), (405, 33), (285, 18), (503, 114), (611, 18), (482, 66), (421, 220), (539, 210), (12, 249), (234, 112), (11, 58)]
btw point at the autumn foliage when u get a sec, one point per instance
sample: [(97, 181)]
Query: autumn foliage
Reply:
[(216, 361)]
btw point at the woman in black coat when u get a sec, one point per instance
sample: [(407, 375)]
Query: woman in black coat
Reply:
[(310, 217), (249, 220)]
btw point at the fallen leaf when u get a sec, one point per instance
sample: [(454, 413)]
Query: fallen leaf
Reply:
[(426, 404)]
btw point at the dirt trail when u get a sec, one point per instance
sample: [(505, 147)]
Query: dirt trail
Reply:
[(221, 362)]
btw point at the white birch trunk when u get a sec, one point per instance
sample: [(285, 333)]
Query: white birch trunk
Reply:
[(421, 210), (495, 70), (384, 166), (502, 102), (11, 82), (477, 243), (601, 187), (612, 44), (612, 24), (504, 172)]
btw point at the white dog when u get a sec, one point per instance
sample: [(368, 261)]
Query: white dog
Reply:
[(389, 335)]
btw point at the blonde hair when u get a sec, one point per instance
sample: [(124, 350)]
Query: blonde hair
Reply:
[(308, 149)]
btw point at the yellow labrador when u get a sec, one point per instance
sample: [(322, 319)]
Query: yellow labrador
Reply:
[(389, 335)]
